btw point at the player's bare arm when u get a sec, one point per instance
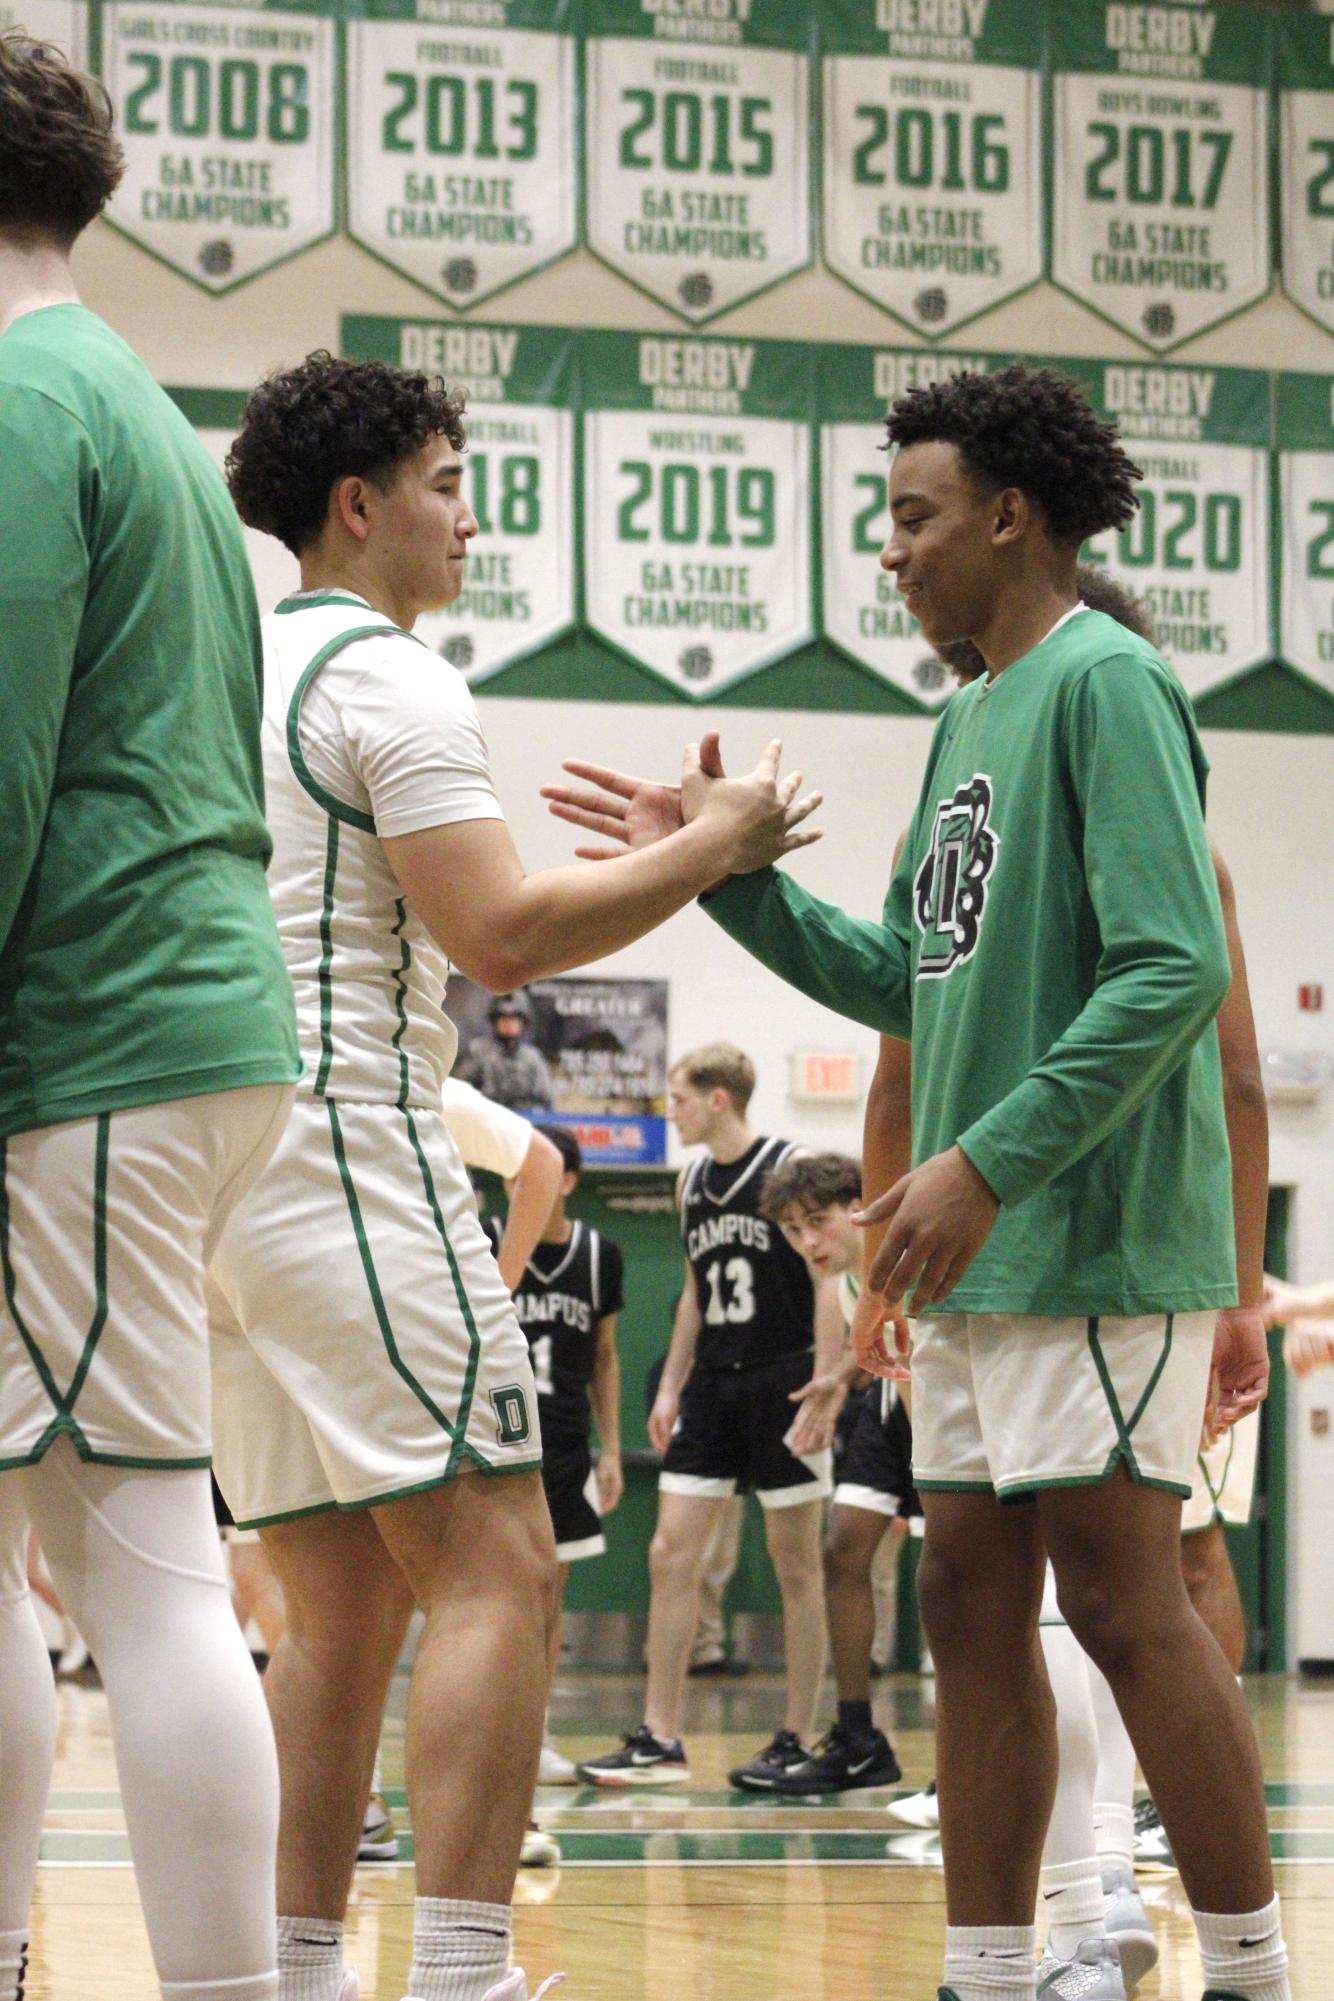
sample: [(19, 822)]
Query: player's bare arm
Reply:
[(1241, 1353), (534, 1190), (677, 1368), (834, 1371), (605, 1397), (1284, 1302)]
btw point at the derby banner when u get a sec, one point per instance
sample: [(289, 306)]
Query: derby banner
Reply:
[(1306, 555), (1306, 162)]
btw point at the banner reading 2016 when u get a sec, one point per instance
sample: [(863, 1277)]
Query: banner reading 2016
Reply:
[(697, 163), (1197, 549), (518, 589), (1306, 156), (226, 115), (697, 506), (1306, 487), (1160, 202), (932, 154), (863, 611), (63, 22), (461, 125)]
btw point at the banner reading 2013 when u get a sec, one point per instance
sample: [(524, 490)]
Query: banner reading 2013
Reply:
[(697, 506), (461, 131), (1306, 157), (1306, 488), (932, 154), (1197, 550), (226, 115), (697, 162), (62, 22), (1160, 201)]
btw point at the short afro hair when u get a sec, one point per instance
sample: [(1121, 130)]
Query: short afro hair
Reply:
[(1032, 428), (306, 427), (60, 159)]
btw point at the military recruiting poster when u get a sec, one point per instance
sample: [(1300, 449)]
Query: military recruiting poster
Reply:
[(932, 153), (226, 115), (64, 22), (1306, 505), (698, 168), (462, 126), (1160, 189), (1306, 162), (1197, 551), (697, 503), (520, 382)]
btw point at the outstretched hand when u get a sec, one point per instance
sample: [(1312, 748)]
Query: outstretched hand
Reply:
[(632, 811)]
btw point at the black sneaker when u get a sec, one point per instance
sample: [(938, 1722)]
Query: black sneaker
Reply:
[(763, 1772), (839, 1765), (643, 1760)]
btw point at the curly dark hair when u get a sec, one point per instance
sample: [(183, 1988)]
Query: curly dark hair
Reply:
[(60, 159), (1098, 589), (1032, 428), (812, 1181), (308, 426)]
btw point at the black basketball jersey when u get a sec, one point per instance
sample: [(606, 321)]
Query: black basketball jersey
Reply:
[(755, 1296), (564, 1292)]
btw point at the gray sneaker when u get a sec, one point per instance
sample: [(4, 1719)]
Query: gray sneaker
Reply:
[(1128, 1925), (1094, 1974)]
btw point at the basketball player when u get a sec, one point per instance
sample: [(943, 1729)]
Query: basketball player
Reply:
[(147, 1057), (742, 1342)]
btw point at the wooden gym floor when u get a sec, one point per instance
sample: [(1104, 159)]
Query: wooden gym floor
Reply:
[(695, 1893)]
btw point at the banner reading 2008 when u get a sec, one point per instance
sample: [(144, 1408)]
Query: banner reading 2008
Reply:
[(1160, 203), (1197, 548), (1306, 156), (461, 124), (932, 154), (518, 589), (697, 514), (226, 115), (1306, 486), (697, 162)]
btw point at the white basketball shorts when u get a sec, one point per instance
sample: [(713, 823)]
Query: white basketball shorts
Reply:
[(1224, 1484)]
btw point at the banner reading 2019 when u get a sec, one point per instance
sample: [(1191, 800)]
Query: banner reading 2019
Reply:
[(461, 131), (932, 154), (1160, 199), (697, 507), (697, 162)]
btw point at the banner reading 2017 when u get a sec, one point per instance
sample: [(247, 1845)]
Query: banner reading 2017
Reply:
[(1306, 488), (518, 588), (1160, 199), (1306, 157), (696, 158), (226, 115), (1197, 550), (697, 505), (461, 129), (932, 154)]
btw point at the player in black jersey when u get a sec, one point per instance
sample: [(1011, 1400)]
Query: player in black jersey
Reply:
[(743, 1340)]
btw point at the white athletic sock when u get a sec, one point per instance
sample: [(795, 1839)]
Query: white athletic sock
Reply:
[(1069, 1837), (1114, 1834), (991, 1962), (251, 1987), (460, 1950), (13, 1964), (377, 1776), (1243, 1953), (310, 1958), (1073, 1904)]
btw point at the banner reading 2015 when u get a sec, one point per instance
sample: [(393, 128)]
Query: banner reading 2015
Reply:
[(226, 115), (697, 163), (1306, 488), (697, 505), (932, 154), (63, 22), (1160, 200), (1197, 550), (518, 587), (461, 129), (1306, 157)]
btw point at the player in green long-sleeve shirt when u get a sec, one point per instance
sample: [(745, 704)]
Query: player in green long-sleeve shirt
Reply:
[(1053, 946)]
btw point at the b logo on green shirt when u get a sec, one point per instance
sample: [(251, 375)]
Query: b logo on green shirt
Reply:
[(951, 887)]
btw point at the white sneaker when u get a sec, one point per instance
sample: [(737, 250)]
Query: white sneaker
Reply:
[(540, 1850), (553, 1770), (514, 1987), (917, 1809), (1094, 1974), (1128, 1926)]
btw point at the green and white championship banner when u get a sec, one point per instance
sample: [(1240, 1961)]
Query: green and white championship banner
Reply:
[(462, 127), (1305, 411), (698, 170), (697, 503), (519, 580), (864, 614), (1160, 196), (932, 153), (1306, 162), (1197, 551), (63, 22), (226, 115)]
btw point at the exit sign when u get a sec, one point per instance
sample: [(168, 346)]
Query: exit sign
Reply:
[(827, 1077)]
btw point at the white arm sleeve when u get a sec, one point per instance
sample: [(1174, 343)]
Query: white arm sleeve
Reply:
[(488, 1135)]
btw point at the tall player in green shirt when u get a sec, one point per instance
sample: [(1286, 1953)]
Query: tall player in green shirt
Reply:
[(147, 1055), (1052, 944)]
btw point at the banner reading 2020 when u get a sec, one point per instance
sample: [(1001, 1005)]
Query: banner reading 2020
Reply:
[(461, 139), (697, 503), (1160, 201), (932, 154), (518, 475), (1306, 162), (226, 115), (1197, 550), (697, 161), (1306, 488)]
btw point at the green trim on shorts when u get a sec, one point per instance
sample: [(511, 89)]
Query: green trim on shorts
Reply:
[(291, 1515), (1027, 1488), (1216, 1511), (35, 1354), (99, 1320), (462, 1449), (445, 1479), (400, 992), (325, 975), (200, 1465), (1123, 1449), (953, 1486)]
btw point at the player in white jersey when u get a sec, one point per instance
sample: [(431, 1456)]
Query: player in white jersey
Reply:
[(370, 1369)]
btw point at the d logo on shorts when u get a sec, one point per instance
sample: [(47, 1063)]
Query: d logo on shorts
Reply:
[(950, 891), (512, 1421)]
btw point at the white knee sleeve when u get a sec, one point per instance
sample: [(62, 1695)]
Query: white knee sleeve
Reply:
[(27, 1716), (1070, 1831)]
